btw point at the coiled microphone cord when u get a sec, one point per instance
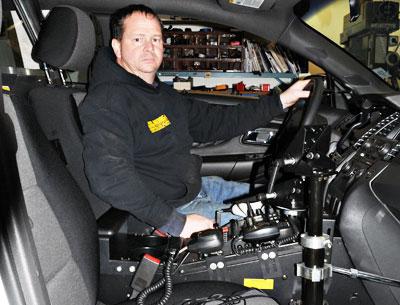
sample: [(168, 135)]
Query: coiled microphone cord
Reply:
[(166, 281)]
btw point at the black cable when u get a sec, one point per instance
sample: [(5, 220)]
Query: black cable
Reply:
[(226, 300), (237, 299), (292, 238), (273, 174), (181, 263), (166, 281)]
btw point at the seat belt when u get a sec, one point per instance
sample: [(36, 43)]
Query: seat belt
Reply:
[(144, 274)]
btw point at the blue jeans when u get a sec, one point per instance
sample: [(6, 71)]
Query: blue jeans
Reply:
[(214, 190)]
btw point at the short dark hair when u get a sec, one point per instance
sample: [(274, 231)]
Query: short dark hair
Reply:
[(118, 17)]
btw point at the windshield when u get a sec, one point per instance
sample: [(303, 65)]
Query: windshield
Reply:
[(370, 32)]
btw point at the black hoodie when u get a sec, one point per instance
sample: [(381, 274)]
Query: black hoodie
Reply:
[(137, 140)]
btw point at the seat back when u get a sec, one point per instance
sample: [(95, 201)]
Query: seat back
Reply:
[(57, 114), (63, 248), (370, 227), (55, 105)]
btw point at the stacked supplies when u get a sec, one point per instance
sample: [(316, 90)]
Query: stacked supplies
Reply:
[(269, 58)]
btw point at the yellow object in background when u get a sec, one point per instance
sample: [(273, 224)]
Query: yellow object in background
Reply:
[(265, 284), (5, 88)]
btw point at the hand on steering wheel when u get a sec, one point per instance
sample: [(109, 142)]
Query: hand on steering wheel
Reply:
[(298, 117), (295, 92)]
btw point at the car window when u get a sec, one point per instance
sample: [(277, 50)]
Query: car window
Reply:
[(372, 36), (9, 45), (15, 45)]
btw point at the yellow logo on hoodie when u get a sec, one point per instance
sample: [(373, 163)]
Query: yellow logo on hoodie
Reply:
[(159, 123)]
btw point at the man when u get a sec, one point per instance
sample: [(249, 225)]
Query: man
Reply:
[(139, 131)]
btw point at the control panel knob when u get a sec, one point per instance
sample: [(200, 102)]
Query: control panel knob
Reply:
[(368, 144), (347, 167), (384, 149)]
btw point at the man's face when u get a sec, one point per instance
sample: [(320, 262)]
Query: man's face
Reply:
[(140, 50)]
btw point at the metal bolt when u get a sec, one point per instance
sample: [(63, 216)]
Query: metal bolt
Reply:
[(119, 268), (220, 265), (182, 271), (272, 255), (264, 256), (213, 266), (132, 269), (310, 155), (284, 277)]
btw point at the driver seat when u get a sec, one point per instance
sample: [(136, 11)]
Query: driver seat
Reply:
[(67, 41)]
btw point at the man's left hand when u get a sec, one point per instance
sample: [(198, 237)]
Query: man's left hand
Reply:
[(293, 93)]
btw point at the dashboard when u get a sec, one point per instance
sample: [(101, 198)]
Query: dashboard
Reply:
[(363, 198), (378, 146)]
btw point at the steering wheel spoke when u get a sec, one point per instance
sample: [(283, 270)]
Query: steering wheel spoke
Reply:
[(299, 130)]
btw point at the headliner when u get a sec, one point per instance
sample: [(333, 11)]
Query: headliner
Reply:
[(268, 22)]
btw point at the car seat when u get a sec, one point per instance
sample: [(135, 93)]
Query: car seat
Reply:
[(67, 41)]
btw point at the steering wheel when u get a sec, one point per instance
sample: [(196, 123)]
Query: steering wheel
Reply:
[(299, 116)]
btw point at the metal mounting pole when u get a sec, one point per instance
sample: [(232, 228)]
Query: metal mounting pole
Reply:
[(313, 269)]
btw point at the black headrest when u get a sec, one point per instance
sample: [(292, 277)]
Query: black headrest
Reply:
[(66, 40)]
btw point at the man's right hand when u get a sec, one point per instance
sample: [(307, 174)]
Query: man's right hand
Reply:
[(294, 92), (196, 223)]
